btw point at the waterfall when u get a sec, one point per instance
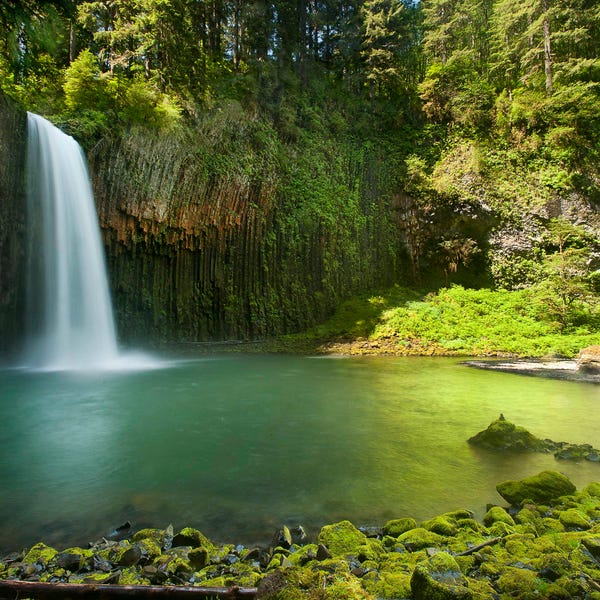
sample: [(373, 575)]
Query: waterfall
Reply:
[(69, 314)]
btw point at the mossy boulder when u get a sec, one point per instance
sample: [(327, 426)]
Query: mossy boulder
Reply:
[(387, 585), (441, 525), (41, 554), (419, 538), (574, 518), (189, 536), (593, 489), (496, 514), (543, 487), (506, 436), (519, 583), (342, 538), (439, 578), (397, 527)]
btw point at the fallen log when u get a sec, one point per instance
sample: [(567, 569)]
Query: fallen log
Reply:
[(93, 591), (478, 547)]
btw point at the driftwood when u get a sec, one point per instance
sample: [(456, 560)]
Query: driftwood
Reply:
[(479, 547), (93, 591)]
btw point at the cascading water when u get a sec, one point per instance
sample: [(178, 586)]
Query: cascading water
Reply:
[(70, 320)]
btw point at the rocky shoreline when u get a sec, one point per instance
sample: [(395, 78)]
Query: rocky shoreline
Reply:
[(544, 543)]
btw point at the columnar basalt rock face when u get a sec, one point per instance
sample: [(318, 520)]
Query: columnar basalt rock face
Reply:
[(12, 216), (201, 251)]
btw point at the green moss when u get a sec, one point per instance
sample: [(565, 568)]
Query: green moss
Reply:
[(439, 578), (471, 525), (553, 525), (303, 555), (419, 538), (189, 536), (543, 487), (503, 435), (342, 538), (346, 590), (500, 529), (130, 576), (441, 525), (372, 549), (40, 553), (593, 489), (519, 583), (156, 535), (574, 519), (497, 514), (397, 527), (387, 585)]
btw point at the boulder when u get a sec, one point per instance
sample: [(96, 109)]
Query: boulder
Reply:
[(189, 536), (540, 488), (397, 527), (439, 578), (342, 538), (574, 518), (506, 436), (496, 514), (588, 359)]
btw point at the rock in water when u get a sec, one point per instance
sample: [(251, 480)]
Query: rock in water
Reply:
[(540, 488), (588, 359), (504, 435)]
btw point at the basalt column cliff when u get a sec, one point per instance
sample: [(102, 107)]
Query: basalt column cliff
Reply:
[(211, 238), (13, 136)]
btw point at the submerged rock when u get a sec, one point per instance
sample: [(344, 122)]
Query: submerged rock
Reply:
[(543, 487)]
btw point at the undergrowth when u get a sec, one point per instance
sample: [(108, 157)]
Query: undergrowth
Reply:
[(455, 321)]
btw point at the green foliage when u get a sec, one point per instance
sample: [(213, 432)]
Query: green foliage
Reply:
[(460, 321), (479, 322)]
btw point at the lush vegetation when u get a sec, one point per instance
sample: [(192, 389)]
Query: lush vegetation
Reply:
[(476, 122), (454, 321)]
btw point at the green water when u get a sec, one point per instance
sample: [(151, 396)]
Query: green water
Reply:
[(238, 445)]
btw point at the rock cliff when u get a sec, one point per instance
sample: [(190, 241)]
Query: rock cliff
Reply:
[(12, 229), (206, 243)]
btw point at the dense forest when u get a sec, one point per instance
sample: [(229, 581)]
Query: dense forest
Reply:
[(441, 141)]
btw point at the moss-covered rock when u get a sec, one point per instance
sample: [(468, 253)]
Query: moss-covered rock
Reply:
[(397, 527), (342, 538), (519, 583), (40, 553), (387, 585), (574, 518), (419, 538), (439, 578), (593, 489), (543, 487), (506, 436), (496, 514), (442, 525), (189, 536)]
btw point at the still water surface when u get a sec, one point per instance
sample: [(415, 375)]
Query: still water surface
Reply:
[(238, 445)]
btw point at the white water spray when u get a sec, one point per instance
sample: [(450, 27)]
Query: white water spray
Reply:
[(70, 319)]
